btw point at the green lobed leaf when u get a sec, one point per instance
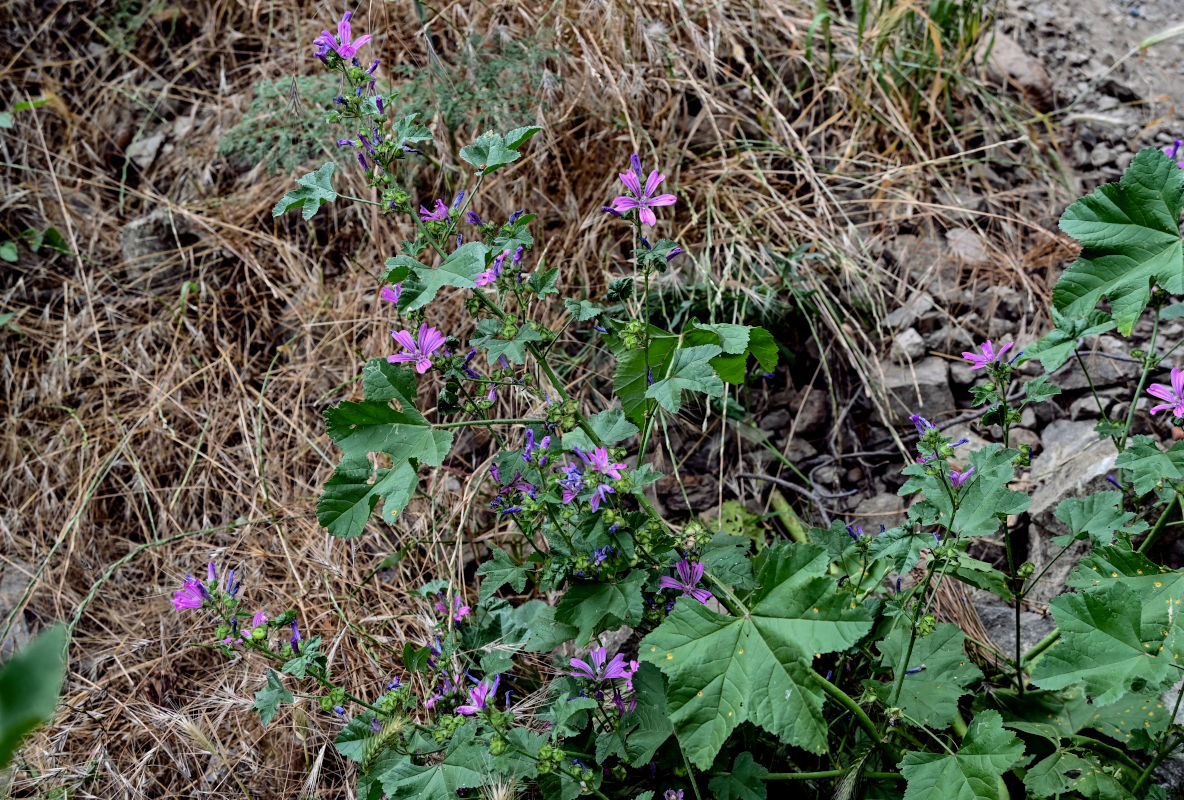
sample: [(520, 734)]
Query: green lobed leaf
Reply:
[(744, 782), (499, 570), (611, 426), (1159, 589), (1097, 518), (460, 269), (630, 380), (582, 310), (514, 350), (593, 607), (30, 682), (408, 130), (268, 699), (1103, 645), (493, 150), (648, 725), (463, 767), (690, 370), (1147, 465), (374, 427), (973, 772), (726, 558), (931, 695), (1130, 238), (982, 498), (1057, 346), (725, 670), (315, 189), (1063, 772), (309, 656), (352, 492)]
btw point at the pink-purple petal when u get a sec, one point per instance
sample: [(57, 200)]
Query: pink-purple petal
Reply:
[(631, 183), (652, 183), (647, 216), (662, 200)]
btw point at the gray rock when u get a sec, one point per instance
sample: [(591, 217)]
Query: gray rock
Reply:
[(1103, 371), (908, 345), (143, 151), (152, 241), (908, 313), (885, 509), (968, 245), (922, 388), (999, 621), (1074, 463), (13, 581), (1009, 65)]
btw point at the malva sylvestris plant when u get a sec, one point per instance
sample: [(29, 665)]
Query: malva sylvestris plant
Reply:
[(818, 660)]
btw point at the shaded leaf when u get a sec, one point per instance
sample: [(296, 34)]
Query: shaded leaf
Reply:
[(268, 699), (315, 189), (973, 772)]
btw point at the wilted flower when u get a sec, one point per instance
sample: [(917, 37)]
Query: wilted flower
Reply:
[(958, 478), (598, 670), (438, 214), (600, 495), (923, 425), (478, 697), (340, 44), (391, 293), (642, 198), (259, 619), (191, 595), (689, 574), (989, 355), (1174, 395), (429, 341), (459, 612), (1173, 152)]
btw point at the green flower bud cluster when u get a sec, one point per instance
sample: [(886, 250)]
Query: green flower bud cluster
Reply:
[(446, 727), (926, 625), (336, 697), (565, 415), (1026, 569), (633, 335), (550, 758), (497, 745)]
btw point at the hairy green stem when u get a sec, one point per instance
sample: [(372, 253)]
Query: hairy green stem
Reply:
[(861, 717), (829, 773), (1149, 360)]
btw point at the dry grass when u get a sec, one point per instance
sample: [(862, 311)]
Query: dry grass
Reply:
[(147, 429)]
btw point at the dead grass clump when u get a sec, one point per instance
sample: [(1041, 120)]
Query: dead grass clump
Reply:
[(162, 383)]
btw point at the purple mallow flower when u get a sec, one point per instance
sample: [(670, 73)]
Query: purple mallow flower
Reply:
[(643, 198), (295, 640), (479, 697), (1173, 395), (989, 354), (459, 612), (340, 44), (600, 495), (191, 595), (1173, 153), (598, 670), (958, 478), (689, 574), (439, 213), (391, 293), (598, 459), (419, 349), (923, 425)]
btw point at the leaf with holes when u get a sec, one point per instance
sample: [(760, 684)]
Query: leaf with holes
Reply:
[(1103, 645)]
